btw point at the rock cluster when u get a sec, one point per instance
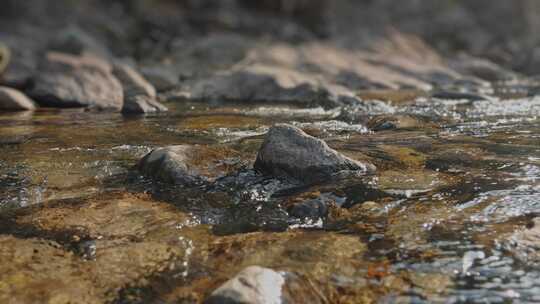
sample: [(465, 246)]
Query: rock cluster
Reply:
[(287, 152), (72, 77), (65, 81)]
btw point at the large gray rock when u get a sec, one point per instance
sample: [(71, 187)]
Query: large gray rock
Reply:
[(253, 285), (76, 81), (289, 152), (13, 100), (186, 164)]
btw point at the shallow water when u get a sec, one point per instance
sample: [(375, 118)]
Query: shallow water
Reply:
[(453, 186)]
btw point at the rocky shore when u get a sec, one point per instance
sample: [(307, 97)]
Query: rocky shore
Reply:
[(158, 151)]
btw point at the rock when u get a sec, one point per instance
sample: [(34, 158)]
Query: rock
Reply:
[(13, 100), (268, 84), (141, 104), (253, 285), (322, 74), (139, 94), (134, 83), (76, 81), (186, 164), (289, 152), (5, 56)]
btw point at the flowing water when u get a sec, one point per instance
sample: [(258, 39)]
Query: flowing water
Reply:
[(456, 194)]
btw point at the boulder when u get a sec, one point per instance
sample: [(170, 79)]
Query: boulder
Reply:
[(13, 100), (253, 285), (186, 164), (289, 152), (76, 81)]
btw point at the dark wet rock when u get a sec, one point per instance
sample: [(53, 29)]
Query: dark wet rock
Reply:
[(13, 100), (141, 104), (5, 56), (76, 81), (289, 152), (161, 77), (76, 41), (311, 209), (391, 122), (253, 285), (458, 95), (186, 164), (133, 83)]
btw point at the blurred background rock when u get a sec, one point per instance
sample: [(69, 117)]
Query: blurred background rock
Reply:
[(499, 30)]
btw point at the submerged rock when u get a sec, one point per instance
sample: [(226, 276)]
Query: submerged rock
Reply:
[(186, 164), (253, 285), (289, 152), (13, 100), (76, 81)]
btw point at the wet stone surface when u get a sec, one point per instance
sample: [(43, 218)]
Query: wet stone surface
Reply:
[(447, 217)]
